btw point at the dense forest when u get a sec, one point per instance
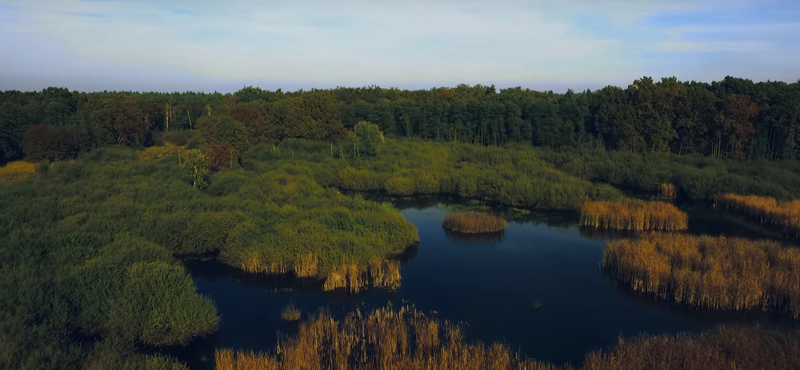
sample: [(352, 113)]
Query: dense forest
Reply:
[(733, 118)]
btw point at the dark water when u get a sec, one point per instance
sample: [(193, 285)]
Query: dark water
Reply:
[(490, 283)]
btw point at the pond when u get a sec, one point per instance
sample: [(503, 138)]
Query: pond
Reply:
[(490, 283)]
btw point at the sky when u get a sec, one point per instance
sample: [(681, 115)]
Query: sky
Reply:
[(214, 45)]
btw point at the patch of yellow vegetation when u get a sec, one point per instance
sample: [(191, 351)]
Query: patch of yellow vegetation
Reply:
[(15, 172), (156, 152)]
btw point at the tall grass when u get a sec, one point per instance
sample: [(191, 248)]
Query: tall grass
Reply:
[(724, 348), (407, 339), (668, 190), (474, 223), (766, 210), (713, 272), (634, 215), (383, 339)]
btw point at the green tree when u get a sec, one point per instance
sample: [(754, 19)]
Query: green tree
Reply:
[(367, 139), (195, 166)]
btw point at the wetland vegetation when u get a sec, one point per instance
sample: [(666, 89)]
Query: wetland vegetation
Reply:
[(474, 223), (104, 196), (387, 339), (714, 272), (633, 215)]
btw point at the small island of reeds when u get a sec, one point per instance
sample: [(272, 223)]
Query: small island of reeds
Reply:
[(766, 210), (712, 272), (474, 223), (633, 215)]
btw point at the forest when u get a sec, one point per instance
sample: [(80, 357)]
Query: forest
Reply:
[(733, 118)]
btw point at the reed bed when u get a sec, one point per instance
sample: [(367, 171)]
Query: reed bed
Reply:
[(384, 339), (668, 190), (724, 348), (712, 272), (633, 215), (15, 172), (474, 223), (766, 210), (378, 273)]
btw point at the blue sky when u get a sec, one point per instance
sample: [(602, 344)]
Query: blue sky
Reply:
[(208, 45)]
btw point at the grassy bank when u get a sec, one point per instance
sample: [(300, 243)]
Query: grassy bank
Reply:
[(713, 272)]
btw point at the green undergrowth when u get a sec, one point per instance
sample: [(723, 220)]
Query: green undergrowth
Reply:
[(695, 176), (511, 175), (89, 250)]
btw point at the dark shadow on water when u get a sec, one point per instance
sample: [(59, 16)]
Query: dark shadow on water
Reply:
[(479, 238)]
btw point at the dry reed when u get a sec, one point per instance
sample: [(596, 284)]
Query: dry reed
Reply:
[(713, 272), (290, 313), (633, 215), (766, 210), (378, 273), (721, 349), (14, 172), (668, 191), (474, 223), (382, 340)]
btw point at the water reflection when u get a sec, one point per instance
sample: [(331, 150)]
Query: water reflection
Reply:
[(480, 238)]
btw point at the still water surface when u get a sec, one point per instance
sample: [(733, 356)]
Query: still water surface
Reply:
[(490, 284)]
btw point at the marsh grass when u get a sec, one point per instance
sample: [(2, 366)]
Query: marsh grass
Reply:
[(15, 172), (667, 190), (474, 223), (766, 210), (724, 348), (633, 215), (406, 339), (382, 339), (712, 272), (290, 313)]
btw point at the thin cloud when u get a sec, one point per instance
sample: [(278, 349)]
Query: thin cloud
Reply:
[(354, 41)]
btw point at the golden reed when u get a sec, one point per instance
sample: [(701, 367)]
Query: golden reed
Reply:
[(713, 272), (633, 215), (408, 340), (378, 273), (474, 223), (382, 340), (766, 210), (668, 190)]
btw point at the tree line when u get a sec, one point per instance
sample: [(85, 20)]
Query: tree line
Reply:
[(734, 118)]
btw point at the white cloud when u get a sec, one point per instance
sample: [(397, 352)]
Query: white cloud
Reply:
[(423, 40), (367, 41)]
